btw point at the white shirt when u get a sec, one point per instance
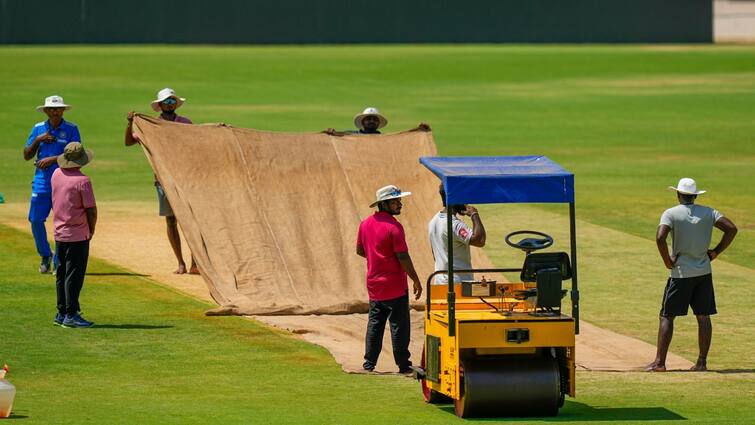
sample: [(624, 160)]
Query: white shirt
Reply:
[(438, 231), (691, 228)]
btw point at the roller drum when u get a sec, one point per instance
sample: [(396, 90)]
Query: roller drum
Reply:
[(509, 386)]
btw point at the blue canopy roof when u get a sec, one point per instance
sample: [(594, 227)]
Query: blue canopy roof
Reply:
[(502, 179)]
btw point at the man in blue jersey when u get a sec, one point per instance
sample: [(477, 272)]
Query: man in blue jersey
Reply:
[(47, 141)]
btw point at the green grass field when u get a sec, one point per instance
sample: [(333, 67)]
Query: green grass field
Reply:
[(627, 120)]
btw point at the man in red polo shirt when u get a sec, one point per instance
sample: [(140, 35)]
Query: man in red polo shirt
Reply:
[(382, 242)]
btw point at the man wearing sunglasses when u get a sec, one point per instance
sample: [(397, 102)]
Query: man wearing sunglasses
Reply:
[(381, 240), (166, 103)]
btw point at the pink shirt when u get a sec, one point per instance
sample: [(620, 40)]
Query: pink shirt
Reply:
[(72, 194), (381, 236), (179, 119)]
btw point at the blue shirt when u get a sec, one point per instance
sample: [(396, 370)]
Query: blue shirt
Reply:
[(66, 133)]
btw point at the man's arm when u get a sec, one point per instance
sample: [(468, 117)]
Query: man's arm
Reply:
[(478, 230), (408, 266), (31, 149), (128, 138), (660, 241), (91, 219), (730, 230)]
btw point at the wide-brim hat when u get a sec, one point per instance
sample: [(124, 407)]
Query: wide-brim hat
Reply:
[(388, 192), (367, 112), (687, 186), (53, 101), (164, 94), (74, 155)]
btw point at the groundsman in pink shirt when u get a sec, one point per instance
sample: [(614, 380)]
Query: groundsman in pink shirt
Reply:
[(74, 217)]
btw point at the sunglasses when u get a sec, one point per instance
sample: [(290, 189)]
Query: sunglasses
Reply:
[(169, 101)]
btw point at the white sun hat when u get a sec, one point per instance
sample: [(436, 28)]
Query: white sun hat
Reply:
[(164, 94), (388, 192), (367, 112), (687, 186), (53, 101)]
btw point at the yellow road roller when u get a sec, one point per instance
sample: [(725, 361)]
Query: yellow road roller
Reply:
[(503, 348)]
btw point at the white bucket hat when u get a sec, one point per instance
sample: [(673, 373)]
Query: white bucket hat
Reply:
[(53, 101), (687, 186), (164, 94), (388, 192), (367, 112)]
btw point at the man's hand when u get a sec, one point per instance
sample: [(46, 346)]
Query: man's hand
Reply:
[(671, 262), (421, 127), (45, 163), (712, 254), (45, 138), (417, 289), (469, 211)]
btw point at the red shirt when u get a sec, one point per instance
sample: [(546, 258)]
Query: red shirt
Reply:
[(381, 236), (72, 194)]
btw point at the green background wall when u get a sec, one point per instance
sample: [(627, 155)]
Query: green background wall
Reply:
[(354, 21)]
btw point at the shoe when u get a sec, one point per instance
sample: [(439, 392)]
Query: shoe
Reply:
[(76, 321), (58, 320), (406, 370), (369, 367), (44, 266)]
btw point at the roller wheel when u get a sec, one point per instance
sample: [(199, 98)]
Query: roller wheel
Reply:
[(493, 387), (428, 394), (461, 406)]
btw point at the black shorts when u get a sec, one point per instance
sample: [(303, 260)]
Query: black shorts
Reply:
[(695, 291)]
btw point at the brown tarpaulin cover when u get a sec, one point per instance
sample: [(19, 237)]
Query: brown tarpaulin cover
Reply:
[(271, 218)]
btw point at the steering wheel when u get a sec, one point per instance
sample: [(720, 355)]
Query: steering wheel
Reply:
[(530, 244)]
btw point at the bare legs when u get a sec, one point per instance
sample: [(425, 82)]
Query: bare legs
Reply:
[(175, 243), (704, 335), (666, 332)]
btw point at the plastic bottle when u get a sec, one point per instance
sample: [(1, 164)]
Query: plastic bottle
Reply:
[(7, 394)]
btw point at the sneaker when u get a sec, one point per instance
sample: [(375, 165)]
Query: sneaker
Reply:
[(406, 370), (58, 320), (44, 266), (369, 367), (76, 321)]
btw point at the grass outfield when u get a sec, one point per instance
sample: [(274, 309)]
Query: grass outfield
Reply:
[(627, 120), (155, 358)]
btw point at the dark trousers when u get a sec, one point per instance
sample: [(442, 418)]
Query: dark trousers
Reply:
[(73, 257), (396, 311)]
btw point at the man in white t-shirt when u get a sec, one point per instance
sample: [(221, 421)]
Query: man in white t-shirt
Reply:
[(691, 281), (463, 237)]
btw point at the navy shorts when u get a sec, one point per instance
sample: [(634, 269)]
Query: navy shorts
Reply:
[(681, 293)]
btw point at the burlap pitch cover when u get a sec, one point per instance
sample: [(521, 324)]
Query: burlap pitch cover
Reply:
[(272, 217)]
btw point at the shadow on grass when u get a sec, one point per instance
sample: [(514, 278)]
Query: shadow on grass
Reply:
[(116, 274), (730, 371), (14, 415), (577, 412), (129, 326)]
